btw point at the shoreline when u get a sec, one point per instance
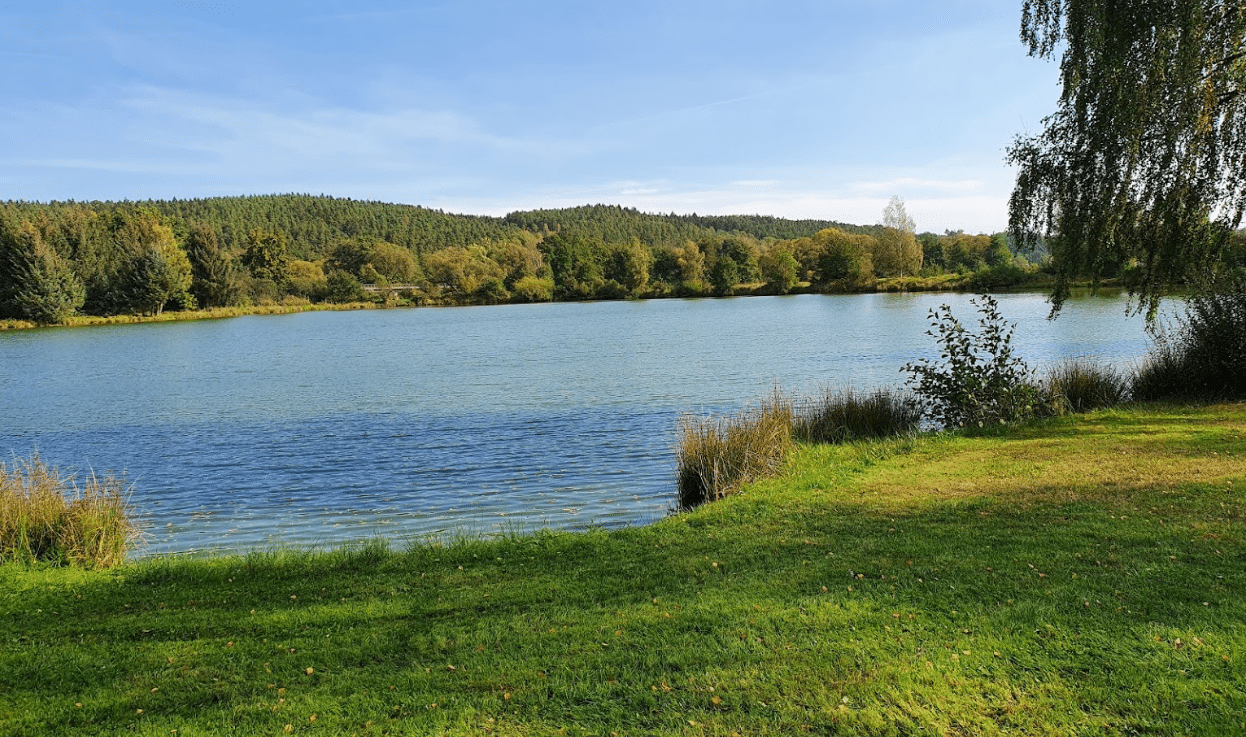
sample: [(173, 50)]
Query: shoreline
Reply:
[(892, 285)]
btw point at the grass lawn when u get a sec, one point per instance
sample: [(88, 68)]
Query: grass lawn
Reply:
[(1083, 575)]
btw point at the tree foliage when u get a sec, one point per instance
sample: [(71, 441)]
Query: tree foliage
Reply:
[(36, 283), (217, 278), (897, 252), (266, 256), (1144, 161), (157, 275)]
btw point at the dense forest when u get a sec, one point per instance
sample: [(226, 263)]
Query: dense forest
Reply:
[(104, 258)]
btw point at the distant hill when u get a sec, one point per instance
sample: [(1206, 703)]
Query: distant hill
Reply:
[(314, 224), (616, 224)]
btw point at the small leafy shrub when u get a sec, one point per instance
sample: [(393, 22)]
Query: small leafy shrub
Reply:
[(44, 517), (977, 380), (843, 415), (1080, 385), (1204, 355), (717, 456)]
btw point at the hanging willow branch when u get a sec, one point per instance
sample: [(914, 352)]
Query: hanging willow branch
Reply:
[(1143, 164)]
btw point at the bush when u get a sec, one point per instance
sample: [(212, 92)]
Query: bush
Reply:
[(718, 456), (342, 287), (44, 517), (1205, 354), (1080, 385), (977, 380), (844, 415)]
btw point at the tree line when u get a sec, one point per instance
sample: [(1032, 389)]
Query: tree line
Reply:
[(105, 258)]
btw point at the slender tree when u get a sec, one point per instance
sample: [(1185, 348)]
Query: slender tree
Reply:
[(1143, 164), (898, 253)]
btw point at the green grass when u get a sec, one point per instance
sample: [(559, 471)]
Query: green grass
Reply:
[(216, 313), (1080, 575)]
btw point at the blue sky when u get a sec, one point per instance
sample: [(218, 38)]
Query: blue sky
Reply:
[(820, 109)]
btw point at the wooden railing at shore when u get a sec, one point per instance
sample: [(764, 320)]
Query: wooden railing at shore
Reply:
[(378, 288)]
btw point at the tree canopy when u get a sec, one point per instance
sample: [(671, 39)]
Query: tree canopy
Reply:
[(1143, 164)]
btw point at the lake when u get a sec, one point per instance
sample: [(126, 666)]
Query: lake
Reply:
[(326, 427)]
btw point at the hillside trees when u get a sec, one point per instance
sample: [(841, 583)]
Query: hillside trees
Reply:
[(843, 258), (627, 266), (374, 260), (463, 272), (1144, 161), (266, 255), (217, 279), (778, 269), (36, 283), (144, 270), (574, 264)]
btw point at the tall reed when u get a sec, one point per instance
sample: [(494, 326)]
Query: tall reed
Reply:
[(719, 455), (843, 415), (1081, 385), (45, 517)]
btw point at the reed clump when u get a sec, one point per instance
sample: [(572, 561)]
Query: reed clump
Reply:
[(46, 517), (1081, 385), (844, 415), (719, 455)]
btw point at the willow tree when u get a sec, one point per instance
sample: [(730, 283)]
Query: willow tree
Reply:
[(1143, 164)]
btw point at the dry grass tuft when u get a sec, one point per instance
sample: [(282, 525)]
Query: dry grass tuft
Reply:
[(719, 455), (45, 517)]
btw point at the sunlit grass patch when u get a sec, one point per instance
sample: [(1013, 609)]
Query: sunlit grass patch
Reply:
[(1099, 457), (45, 517)]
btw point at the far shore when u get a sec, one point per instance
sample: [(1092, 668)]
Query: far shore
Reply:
[(891, 285)]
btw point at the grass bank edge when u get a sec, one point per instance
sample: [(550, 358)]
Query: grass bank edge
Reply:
[(778, 603)]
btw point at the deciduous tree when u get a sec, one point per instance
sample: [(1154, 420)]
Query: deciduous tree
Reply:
[(1144, 161), (898, 252)]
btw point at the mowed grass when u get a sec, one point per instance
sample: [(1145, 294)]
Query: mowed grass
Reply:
[(1081, 575)]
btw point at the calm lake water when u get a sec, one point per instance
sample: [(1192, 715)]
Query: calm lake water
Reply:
[(327, 427)]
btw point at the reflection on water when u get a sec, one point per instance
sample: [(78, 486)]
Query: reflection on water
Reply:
[(326, 427)]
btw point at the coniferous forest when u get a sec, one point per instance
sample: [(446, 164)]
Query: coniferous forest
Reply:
[(61, 259)]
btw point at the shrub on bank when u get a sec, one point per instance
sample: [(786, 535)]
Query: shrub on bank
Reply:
[(843, 415), (718, 455), (1204, 355), (977, 380), (45, 517)]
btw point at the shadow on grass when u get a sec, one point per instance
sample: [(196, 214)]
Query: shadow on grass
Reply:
[(795, 603)]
